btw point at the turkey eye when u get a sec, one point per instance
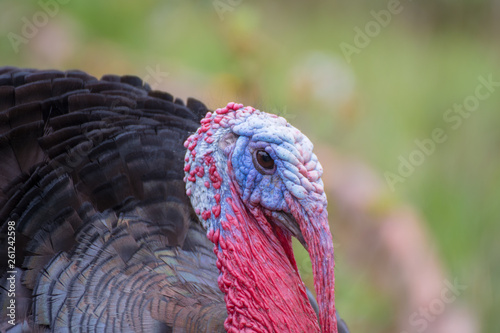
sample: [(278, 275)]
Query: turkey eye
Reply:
[(264, 161)]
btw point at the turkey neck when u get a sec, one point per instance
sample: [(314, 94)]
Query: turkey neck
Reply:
[(258, 275)]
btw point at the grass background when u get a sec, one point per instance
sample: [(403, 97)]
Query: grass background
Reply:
[(284, 56)]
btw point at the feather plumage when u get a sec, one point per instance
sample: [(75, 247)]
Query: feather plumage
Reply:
[(106, 238), (91, 173)]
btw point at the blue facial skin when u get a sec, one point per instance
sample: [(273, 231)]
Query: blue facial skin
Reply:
[(284, 144), (295, 170)]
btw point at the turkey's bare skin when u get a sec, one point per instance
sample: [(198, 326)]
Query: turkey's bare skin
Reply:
[(254, 182), (263, 290)]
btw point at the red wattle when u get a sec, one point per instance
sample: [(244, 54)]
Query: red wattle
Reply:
[(263, 290)]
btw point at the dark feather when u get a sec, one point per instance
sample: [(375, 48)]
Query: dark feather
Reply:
[(106, 239)]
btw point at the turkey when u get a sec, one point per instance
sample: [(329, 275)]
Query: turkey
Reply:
[(126, 210)]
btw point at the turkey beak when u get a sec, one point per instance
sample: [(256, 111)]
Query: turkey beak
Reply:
[(311, 217), (286, 221)]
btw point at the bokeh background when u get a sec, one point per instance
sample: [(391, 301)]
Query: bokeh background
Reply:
[(364, 90)]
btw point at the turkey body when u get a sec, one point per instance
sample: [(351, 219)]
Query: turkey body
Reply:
[(91, 179), (106, 239)]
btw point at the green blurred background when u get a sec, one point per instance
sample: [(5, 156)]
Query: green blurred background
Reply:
[(286, 57)]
